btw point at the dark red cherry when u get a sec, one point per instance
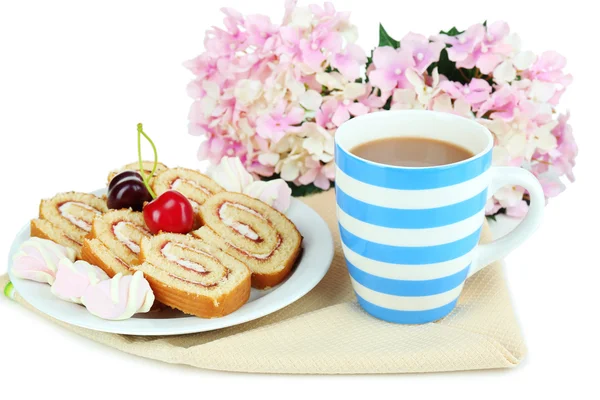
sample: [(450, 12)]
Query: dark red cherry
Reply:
[(122, 175), (127, 190)]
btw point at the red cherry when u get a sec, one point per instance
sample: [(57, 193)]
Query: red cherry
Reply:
[(169, 212)]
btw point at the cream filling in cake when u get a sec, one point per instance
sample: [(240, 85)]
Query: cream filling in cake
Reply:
[(167, 252), (75, 211), (177, 183), (243, 229), (119, 231), (261, 256)]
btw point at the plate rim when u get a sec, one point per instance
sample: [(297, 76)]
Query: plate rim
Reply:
[(291, 293)]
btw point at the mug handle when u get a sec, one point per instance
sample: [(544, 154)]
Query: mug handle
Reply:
[(486, 254)]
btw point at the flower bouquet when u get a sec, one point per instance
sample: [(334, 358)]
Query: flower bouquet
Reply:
[(273, 94)]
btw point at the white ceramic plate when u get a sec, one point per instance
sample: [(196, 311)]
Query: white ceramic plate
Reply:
[(311, 268)]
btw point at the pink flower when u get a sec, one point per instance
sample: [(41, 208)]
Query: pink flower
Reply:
[(391, 65), (276, 124), (475, 92), (347, 108), (203, 66), (289, 47), (552, 186), (518, 211), (566, 147), (491, 50), (492, 206), (261, 32), (219, 42), (325, 12), (503, 103), (324, 115), (215, 148), (373, 98), (349, 61), (548, 68), (290, 6), (317, 173), (233, 18), (423, 51), (274, 94), (312, 48), (479, 46), (464, 44)]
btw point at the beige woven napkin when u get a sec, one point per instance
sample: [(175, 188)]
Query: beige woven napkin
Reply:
[(326, 332)]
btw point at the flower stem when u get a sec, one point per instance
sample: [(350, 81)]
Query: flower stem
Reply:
[(145, 178)]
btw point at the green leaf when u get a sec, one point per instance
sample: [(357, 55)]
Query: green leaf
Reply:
[(304, 190), (298, 191), (386, 40), (369, 62), (493, 217), (485, 23), (452, 32), (447, 68), (388, 103)]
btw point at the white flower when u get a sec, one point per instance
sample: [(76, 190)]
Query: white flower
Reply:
[(283, 86), (519, 139), (542, 140), (244, 130), (302, 17), (349, 32), (331, 80), (424, 92), (270, 159), (540, 93), (353, 91), (518, 60), (247, 91), (291, 157), (318, 142), (512, 135), (342, 89), (405, 99), (500, 155), (311, 100), (211, 99), (290, 168), (509, 196), (443, 103)]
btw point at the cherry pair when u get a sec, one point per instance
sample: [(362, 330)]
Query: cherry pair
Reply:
[(169, 212)]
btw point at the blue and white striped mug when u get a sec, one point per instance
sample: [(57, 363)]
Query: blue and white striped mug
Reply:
[(410, 235)]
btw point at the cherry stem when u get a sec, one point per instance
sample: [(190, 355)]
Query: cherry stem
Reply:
[(142, 173)]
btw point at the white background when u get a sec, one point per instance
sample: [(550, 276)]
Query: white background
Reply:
[(76, 77)]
